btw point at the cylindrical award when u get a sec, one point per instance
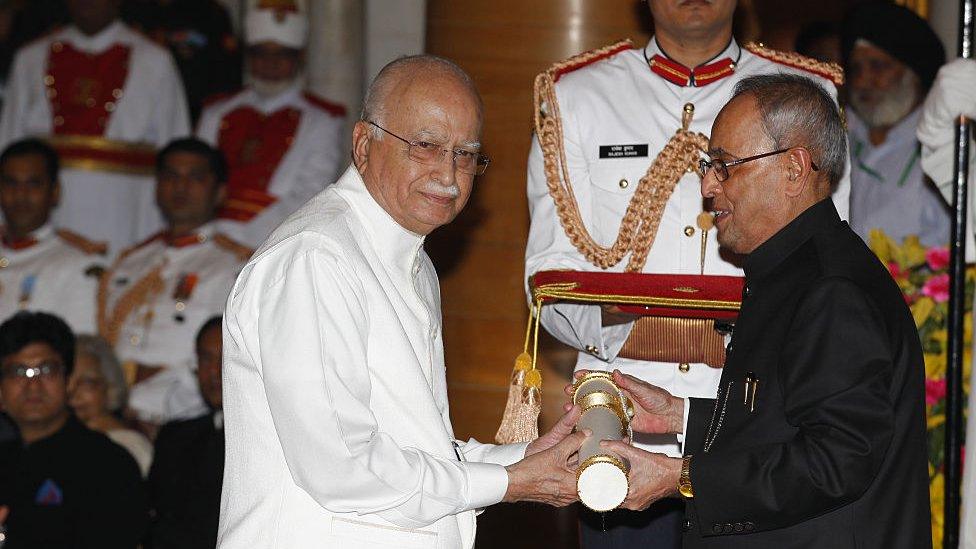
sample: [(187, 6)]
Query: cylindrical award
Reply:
[(601, 478)]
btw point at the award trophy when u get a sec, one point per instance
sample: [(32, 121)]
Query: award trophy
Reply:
[(601, 478)]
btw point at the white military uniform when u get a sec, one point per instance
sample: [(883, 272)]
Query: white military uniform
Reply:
[(107, 189), (335, 396), (50, 273), (301, 157), (889, 190), (197, 272), (620, 101)]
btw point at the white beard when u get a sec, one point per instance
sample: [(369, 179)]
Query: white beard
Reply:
[(267, 89), (895, 103)]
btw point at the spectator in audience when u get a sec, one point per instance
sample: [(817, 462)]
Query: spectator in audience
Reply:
[(892, 56), (283, 145), (199, 35), (186, 476), (42, 268), (97, 394), (105, 97), (65, 485), (159, 293)]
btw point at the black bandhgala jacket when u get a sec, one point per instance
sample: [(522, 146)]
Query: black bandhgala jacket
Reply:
[(825, 446)]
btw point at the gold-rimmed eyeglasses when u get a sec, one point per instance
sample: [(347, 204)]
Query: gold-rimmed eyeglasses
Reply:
[(721, 167), (425, 152)]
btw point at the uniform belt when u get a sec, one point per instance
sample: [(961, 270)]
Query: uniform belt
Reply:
[(675, 340), (98, 154)]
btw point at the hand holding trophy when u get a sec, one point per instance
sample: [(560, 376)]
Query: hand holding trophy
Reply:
[(602, 482)]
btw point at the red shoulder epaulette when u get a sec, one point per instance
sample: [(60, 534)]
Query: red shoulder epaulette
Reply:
[(215, 98), (581, 60), (241, 251), (830, 71), (334, 109), (75, 240)]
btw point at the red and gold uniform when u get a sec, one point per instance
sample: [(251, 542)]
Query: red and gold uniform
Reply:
[(106, 102)]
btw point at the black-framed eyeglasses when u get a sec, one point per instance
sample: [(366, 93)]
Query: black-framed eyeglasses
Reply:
[(425, 152), (721, 167), (46, 370)]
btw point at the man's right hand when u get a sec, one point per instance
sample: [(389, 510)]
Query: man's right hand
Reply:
[(655, 410), (547, 476)]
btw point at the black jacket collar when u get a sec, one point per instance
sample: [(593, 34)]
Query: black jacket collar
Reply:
[(781, 245)]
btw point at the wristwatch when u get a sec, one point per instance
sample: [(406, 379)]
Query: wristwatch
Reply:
[(684, 481)]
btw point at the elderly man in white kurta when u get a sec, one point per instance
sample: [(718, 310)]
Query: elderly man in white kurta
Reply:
[(106, 97), (337, 424), (281, 142)]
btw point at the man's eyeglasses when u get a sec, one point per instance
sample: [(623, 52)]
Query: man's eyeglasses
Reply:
[(469, 162), (46, 370), (721, 167)]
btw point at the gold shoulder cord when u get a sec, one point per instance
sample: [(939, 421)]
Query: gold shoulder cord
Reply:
[(639, 226)]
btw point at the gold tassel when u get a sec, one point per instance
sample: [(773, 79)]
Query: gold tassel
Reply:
[(520, 422)]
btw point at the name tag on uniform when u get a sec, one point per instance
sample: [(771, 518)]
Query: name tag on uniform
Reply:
[(623, 151)]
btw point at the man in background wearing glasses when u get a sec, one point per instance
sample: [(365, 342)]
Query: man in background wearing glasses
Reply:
[(817, 435), (336, 419), (65, 486)]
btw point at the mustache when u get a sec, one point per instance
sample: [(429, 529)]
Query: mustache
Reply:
[(439, 189)]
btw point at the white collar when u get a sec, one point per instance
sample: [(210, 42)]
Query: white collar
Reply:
[(109, 36), (396, 245)]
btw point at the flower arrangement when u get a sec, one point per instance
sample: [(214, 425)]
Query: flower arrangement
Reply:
[(922, 274)]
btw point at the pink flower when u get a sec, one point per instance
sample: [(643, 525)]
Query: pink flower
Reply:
[(937, 258), (895, 270), (935, 390), (937, 288)]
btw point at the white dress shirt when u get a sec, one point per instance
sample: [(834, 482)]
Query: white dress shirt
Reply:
[(336, 417), (162, 331), (53, 276), (103, 205), (620, 101), (889, 190), (313, 160)]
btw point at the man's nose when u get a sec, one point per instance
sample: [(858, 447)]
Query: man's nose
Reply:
[(710, 185), (445, 169)]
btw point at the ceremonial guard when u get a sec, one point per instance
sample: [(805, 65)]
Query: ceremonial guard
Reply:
[(612, 185), (42, 268), (105, 97), (282, 144), (160, 292)]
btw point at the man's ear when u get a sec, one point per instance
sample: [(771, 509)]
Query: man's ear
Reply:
[(799, 171), (361, 140)]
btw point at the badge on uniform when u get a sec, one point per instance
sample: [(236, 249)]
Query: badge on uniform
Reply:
[(49, 494), (624, 151), (26, 290), (181, 294)]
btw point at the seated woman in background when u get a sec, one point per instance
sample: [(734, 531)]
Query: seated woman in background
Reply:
[(97, 393)]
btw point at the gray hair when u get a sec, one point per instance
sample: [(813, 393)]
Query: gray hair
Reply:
[(108, 365), (798, 112), (377, 102)]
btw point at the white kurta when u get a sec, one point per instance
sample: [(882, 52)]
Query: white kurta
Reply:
[(620, 101), (52, 276), (336, 417), (889, 190), (118, 208), (162, 331), (313, 160)]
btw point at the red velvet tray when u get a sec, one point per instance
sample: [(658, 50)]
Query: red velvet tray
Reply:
[(647, 294)]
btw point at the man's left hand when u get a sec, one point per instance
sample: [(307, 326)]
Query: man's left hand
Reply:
[(562, 429), (652, 476)]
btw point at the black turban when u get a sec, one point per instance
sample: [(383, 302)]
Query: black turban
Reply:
[(898, 31)]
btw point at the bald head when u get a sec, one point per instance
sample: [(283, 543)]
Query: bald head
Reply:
[(420, 115), (395, 77)]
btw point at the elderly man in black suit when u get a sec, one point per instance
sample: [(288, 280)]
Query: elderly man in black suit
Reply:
[(817, 435)]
